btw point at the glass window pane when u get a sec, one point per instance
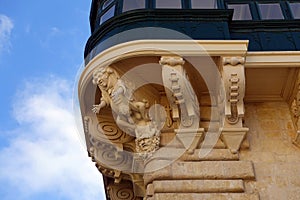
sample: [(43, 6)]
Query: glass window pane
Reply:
[(241, 11), (295, 7), (270, 11), (107, 3), (204, 4), (168, 4), (133, 4), (107, 15)]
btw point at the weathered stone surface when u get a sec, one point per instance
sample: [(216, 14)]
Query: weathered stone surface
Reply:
[(213, 155), (213, 170), (211, 196), (204, 170), (171, 153), (198, 186), (276, 160), (150, 190)]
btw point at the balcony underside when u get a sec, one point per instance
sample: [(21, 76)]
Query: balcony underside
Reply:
[(255, 76)]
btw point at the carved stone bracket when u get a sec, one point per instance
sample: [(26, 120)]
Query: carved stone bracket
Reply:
[(233, 138), (233, 77), (179, 91), (295, 108), (190, 139), (183, 101)]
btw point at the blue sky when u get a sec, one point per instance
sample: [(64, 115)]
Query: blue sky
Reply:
[(41, 50)]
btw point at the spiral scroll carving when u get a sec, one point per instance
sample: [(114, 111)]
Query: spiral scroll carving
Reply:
[(112, 132), (120, 192), (113, 158), (125, 193), (108, 155)]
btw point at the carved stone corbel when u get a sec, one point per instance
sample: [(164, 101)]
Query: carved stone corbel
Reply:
[(295, 108), (183, 101), (233, 77)]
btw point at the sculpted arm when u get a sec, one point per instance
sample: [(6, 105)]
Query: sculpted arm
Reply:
[(98, 107)]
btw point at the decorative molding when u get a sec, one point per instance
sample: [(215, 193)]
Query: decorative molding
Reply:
[(160, 47), (86, 124), (190, 139), (110, 156), (273, 59), (233, 61), (179, 91), (234, 82), (233, 76), (112, 132), (233, 138), (146, 146)]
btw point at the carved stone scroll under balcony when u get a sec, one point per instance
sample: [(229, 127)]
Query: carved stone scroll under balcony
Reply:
[(183, 101), (295, 108), (233, 77)]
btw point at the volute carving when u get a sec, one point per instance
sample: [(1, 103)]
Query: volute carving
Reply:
[(122, 191)]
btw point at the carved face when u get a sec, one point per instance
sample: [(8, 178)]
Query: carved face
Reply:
[(102, 78), (147, 145)]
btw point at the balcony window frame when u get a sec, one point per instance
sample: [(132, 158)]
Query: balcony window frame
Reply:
[(253, 17), (290, 9), (182, 2), (216, 3), (147, 6), (281, 6), (102, 12)]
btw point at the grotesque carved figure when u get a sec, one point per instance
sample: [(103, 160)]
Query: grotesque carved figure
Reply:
[(132, 116)]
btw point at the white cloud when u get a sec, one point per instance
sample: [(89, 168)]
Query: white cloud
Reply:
[(45, 154), (6, 26)]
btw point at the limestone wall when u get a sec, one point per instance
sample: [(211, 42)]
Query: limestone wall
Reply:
[(276, 160)]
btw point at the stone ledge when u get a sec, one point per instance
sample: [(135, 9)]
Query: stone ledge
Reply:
[(211, 196), (222, 170), (198, 186), (213, 155)]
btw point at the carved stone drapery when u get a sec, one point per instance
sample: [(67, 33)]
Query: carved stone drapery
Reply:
[(233, 77)]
